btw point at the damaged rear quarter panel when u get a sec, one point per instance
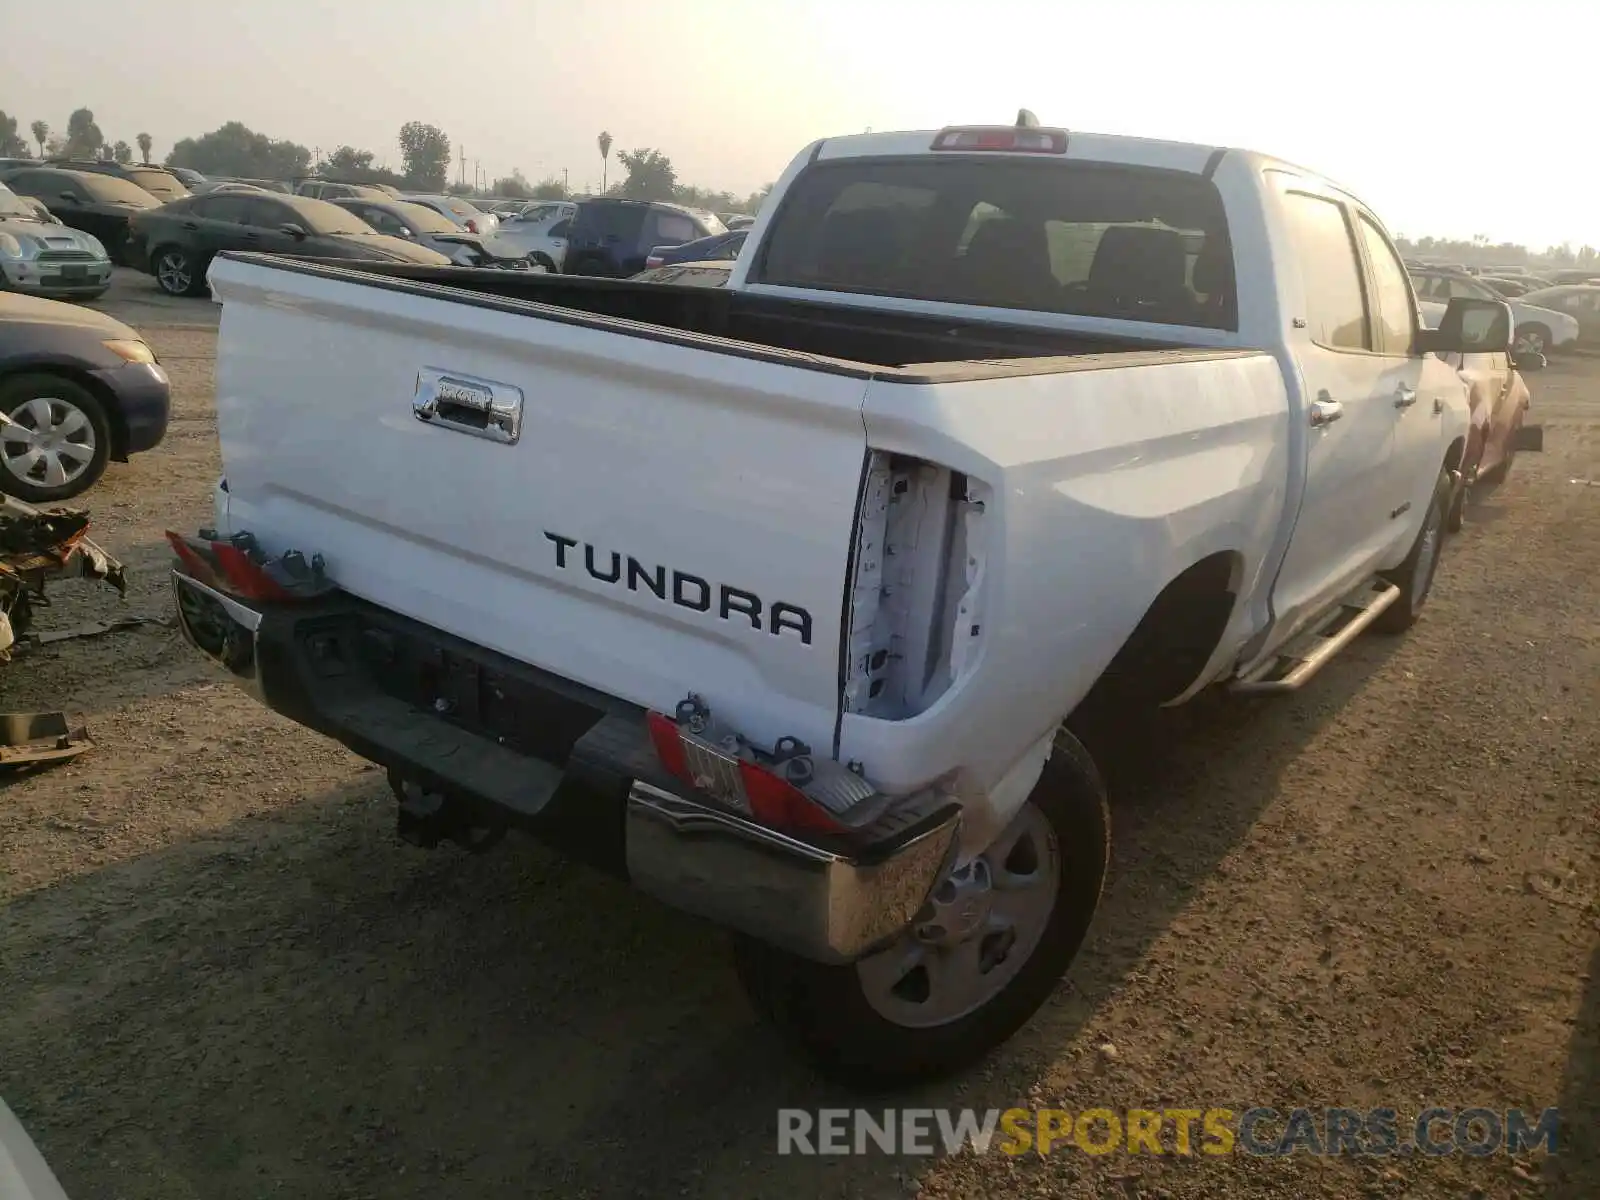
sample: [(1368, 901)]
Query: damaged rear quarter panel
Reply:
[(1106, 484)]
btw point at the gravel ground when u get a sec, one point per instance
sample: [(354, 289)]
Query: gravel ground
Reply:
[(222, 977)]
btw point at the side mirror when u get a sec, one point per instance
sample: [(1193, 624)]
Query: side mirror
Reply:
[(404, 232), (1528, 360), (293, 230), (68, 197), (1470, 326)]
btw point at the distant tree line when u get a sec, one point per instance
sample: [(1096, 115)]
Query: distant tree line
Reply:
[(82, 139), (1480, 252), (234, 149)]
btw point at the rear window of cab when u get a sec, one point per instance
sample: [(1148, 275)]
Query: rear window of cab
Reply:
[(1091, 239)]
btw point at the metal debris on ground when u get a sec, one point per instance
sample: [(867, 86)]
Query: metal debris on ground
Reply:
[(32, 739), (36, 544), (91, 629)]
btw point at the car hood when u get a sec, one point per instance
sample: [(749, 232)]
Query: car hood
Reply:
[(403, 250), (52, 237), (33, 310)]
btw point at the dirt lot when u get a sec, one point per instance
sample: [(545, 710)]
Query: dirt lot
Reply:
[(223, 979)]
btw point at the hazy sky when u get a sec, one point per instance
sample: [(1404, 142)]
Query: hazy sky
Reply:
[(1415, 105)]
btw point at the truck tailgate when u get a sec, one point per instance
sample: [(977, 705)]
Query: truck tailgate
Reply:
[(640, 515)]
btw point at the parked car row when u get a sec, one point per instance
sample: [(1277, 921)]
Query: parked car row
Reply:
[(1538, 329), (97, 203), (171, 221), (176, 242)]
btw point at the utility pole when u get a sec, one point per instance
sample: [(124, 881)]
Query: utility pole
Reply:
[(564, 186), (461, 176)]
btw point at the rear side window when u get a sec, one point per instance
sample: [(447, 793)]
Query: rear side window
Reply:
[(1329, 271), (231, 209), (1391, 300), (380, 219), (30, 182), (671, 229), (267, 214), (623, 221), (1093, 239)]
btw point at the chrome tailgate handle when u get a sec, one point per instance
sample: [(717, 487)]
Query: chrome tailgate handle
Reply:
[(467, 404)]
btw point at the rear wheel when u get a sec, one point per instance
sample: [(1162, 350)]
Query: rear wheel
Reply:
[(1414, 577), (1532, 338), (986, 950), (177, 272)]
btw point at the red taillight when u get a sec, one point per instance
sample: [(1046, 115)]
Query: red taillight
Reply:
[(239, 569), (669, 746), (708, 757), (655, 260), (777, 802), (1002, 137), (472, 225)]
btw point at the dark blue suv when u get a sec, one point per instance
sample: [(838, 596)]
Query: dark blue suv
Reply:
[(615, 237)]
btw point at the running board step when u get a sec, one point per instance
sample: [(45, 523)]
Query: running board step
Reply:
[(1309, 652)]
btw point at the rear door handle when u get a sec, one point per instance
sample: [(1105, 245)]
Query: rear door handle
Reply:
[(1325, 411), (1404, 397), (191, 225)]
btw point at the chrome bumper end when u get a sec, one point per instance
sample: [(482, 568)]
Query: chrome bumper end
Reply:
[(221, 628), (817, 903)]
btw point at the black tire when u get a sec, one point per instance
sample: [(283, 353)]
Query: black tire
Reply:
[(543, 260), (27, 481), (590, 264), (1416, 584), (824, 1011), (178, 272), (1533, 338)]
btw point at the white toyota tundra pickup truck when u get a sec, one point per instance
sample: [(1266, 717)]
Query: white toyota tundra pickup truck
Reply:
[(775, 598)]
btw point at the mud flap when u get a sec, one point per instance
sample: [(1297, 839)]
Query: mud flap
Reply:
[(1529, 438)]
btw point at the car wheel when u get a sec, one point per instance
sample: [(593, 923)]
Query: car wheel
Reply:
[(1532, 338), (177, 273), (55, 441), (989, 946), (1414, 577), (543, 260)]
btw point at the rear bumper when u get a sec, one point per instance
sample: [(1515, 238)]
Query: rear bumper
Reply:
[(585, 777)]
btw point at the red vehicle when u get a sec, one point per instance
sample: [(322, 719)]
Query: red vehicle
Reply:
[(1500, 400)]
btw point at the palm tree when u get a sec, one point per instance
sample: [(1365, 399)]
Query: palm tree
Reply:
[(144, 141), (605, 157), (41, 134)]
